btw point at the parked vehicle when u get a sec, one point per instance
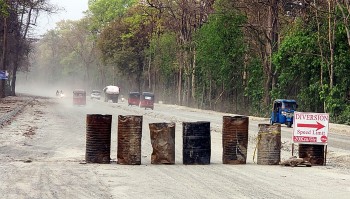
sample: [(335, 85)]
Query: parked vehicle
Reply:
[(283, 111), (95, 94), (79, 97), (134, 99), (111, 93), (147, 100)]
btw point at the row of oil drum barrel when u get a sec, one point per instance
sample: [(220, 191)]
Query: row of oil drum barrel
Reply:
[(196, 141)]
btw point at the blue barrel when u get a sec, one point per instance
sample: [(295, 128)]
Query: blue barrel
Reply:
[(196, 143)]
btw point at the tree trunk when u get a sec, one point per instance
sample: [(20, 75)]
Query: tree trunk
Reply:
[(331, 30), (271, 47), (346, 16), (193, 77), (3, 58), (13, 81)]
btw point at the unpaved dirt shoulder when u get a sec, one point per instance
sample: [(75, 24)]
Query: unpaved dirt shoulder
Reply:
[(40, 157), (47, 164)]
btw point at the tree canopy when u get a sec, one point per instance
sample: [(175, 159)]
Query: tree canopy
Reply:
[(233, 56)]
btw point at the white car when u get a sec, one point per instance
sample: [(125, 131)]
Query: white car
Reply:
[(95, 94)]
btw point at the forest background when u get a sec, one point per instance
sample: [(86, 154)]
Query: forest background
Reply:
[(224, 55)]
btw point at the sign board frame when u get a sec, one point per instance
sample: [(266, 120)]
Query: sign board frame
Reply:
[(310, 128)]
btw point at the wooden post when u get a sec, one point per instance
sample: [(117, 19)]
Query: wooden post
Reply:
[(325, 155)]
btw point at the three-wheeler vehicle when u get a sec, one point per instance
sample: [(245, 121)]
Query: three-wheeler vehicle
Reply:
[(134, 99), (79, 97), (95, 94), (283, 111), (147, 100)]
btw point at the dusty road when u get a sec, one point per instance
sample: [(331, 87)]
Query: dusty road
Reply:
[(43, 148)]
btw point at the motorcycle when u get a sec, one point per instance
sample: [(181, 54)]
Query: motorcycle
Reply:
[(60, 94)]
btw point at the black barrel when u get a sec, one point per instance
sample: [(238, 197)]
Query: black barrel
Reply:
[(269, 144), (98, 138), (163, 143), (196, 143), (235, 139), (314, 153), (129, 139)]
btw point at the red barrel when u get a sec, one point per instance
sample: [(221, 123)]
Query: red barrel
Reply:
[(129, 139), (235, 139), (98, 138), (163, 143), (314, 153)]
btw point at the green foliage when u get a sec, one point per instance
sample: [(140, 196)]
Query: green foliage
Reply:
[(163, 51), (298, 65), (123, 42), (254, 90), (105, 11), (344, 118), (4, 8), (138, 41), (304, 74)]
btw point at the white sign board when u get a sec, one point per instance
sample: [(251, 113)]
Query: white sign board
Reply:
[(311, 128)]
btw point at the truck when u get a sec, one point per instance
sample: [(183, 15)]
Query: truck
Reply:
[(111, 93)]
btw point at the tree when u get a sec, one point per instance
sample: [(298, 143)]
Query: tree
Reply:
[(21, 17), (124, 41), (184, 18), (220, 49)]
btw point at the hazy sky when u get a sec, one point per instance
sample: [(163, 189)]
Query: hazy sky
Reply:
[(73, 9)]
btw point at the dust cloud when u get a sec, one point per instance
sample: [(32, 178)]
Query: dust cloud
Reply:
[(28, 84)]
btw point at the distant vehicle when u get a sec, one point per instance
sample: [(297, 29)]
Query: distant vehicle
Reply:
[(79, 97), (62, 94), (283, 111), (95, 94), (147, 100), (134, 99), (111, 93)]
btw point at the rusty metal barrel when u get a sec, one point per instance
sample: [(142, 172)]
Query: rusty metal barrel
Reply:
[(235, 139), (269, 144), (313, 153), (196, 143), (129, 139), (98, 138), (163, 143)]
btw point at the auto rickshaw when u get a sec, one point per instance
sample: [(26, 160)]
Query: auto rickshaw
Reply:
[(147, 100), (283, 111), (79, 97), (134, 98)]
